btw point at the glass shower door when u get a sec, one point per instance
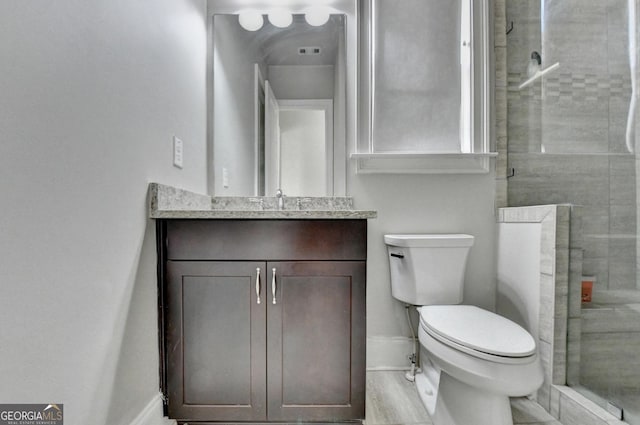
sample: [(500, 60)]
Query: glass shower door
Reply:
[(573, 138)]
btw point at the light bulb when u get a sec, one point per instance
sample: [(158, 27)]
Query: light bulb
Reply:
[(251, 20), (280, 18), (317, 16)]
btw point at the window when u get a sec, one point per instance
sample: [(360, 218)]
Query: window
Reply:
[(425, 87)]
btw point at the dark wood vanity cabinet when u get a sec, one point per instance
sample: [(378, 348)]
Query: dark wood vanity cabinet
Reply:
[(263, 320)]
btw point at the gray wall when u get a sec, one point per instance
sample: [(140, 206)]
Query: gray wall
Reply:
[(92, 94), (422, 204)]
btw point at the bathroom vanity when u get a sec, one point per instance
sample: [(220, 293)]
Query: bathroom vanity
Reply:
[(262, 312)]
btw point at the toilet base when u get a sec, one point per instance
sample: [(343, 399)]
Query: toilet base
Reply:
[(427, 386), (458, 403)]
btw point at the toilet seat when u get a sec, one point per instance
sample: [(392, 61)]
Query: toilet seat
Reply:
[(478, 332)]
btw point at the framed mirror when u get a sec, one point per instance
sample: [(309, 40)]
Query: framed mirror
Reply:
[(278, 100)]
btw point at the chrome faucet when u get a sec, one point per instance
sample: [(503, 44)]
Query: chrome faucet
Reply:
[(280, 198)]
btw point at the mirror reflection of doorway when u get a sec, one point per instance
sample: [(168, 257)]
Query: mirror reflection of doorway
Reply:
[(260, 183), (272, 140), (299, 145), (306, 145)]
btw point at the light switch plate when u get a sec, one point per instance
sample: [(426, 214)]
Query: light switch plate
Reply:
[(178, 152)]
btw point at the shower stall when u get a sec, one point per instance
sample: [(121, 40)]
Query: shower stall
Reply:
[(574, 137)]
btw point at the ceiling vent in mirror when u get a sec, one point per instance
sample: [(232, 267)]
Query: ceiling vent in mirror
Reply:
[(309, 51)]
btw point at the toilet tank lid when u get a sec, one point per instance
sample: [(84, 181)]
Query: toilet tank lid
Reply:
[(429, 240)]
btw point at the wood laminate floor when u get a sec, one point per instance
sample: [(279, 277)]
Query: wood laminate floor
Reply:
[(392, 400)]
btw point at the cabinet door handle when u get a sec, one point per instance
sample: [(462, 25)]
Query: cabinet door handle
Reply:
[(273, 285), (258, 284)]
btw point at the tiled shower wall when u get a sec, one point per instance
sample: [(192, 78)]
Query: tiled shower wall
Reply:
[(566, 133)]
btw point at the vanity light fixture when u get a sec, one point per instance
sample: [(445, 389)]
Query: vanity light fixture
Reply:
[(317, 16), (280, 18), (251, 20)]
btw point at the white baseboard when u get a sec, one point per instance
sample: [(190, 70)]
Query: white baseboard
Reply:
[(388, 352), (152, 414)]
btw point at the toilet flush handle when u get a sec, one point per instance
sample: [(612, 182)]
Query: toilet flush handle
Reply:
[(393, 254)]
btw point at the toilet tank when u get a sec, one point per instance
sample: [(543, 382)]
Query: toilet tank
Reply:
[(428, 269)]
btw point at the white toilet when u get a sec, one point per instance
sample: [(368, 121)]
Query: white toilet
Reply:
[(472, 360)]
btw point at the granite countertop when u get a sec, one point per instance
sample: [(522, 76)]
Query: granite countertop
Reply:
[(168, 202)]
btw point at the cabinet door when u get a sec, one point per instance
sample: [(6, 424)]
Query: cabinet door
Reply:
[(215, 341), (316, 341)]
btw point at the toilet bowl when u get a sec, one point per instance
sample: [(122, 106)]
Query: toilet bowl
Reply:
[(472, 360), (476, 360)]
